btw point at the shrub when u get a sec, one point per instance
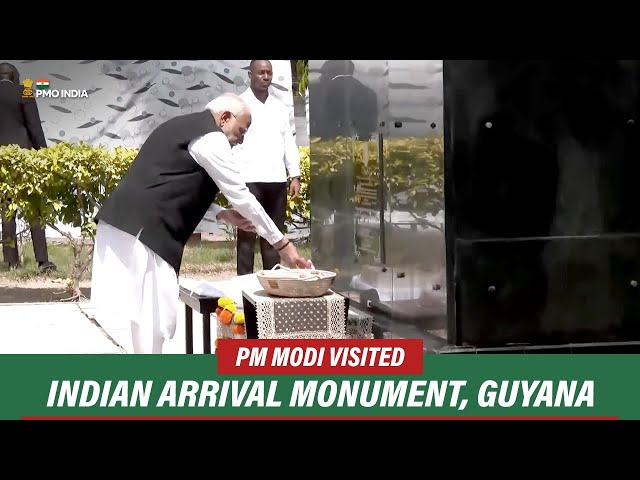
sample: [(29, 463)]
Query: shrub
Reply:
[(62, 184), (68, 183)]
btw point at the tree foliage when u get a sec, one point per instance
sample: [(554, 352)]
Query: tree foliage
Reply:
[(66, 184), (63, 184)]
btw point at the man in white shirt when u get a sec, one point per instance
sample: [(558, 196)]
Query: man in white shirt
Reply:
[(268, 153), (145, 223)]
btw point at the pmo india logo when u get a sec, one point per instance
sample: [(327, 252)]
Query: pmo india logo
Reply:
[(42, 90)]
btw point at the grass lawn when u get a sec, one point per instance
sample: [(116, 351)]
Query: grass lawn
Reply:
[(206, 258)]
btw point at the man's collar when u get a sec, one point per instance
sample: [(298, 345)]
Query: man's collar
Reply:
[(253, 95)]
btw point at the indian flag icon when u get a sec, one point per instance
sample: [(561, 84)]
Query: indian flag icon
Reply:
[(42, 83)]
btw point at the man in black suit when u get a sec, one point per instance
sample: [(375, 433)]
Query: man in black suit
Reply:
[(20, 125)]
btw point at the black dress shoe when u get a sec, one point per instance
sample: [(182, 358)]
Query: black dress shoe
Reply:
[(47, 267)]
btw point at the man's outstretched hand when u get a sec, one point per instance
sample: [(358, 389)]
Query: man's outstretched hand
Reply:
[(291, 258), (234, 218)]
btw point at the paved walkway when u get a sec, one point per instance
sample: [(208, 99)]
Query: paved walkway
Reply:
[(53, 328)]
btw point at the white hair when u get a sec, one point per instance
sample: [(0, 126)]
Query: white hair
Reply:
[(228, 102)]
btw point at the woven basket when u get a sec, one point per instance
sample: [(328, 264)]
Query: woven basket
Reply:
[(286, 282)]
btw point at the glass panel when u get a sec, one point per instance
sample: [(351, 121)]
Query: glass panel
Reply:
[(345, 101), (414, 176), (377, 201)]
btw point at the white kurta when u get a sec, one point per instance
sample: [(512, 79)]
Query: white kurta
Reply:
[(213, 153), (130, 284), (133, 284)]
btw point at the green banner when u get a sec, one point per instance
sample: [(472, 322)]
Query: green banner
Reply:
[(460, 386)]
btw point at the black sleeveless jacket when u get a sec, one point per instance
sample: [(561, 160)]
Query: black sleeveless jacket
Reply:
[(165, 193)]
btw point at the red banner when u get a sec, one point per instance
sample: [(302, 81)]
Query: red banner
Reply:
[(318, 357)]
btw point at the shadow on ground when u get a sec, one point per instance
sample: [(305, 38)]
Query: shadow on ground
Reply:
[(33, 295)]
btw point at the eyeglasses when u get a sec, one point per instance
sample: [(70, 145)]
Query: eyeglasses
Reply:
[(242, 129)]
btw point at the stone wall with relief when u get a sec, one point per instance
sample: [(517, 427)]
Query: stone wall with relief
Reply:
[(127, 99)]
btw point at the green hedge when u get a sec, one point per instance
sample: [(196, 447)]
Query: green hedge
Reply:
[(66, 183)]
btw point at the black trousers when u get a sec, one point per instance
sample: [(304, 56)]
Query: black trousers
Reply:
[(9, 246), (273, 198)]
